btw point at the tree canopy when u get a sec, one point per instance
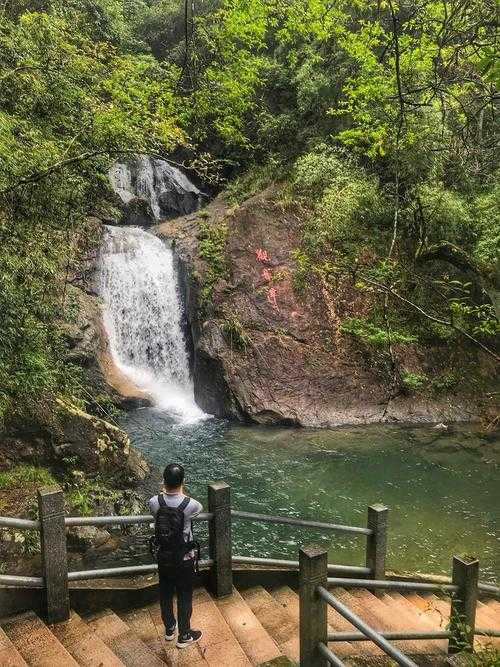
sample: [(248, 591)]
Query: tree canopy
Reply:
[(381, 117)]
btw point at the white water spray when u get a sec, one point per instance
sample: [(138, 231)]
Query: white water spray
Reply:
[(143, 318)]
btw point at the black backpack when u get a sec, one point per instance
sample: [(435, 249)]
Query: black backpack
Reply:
[(167, 545)]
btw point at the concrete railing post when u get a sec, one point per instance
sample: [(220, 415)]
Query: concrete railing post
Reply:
[(54, 555), (219, 536), (465, 575), (313, 572), (376, 543)]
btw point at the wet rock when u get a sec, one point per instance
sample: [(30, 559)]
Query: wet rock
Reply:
[(440, 427), (81, 538), (152, 189), (138, 212)]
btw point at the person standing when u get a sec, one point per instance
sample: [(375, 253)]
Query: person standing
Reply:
[(174, 548)]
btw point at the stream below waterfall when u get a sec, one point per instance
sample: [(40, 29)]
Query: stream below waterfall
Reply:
[(443, 498)]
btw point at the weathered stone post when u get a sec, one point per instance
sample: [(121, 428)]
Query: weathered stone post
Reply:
[(465, 575), (376, 543), (54, 555), (313, 572), (219, 537)]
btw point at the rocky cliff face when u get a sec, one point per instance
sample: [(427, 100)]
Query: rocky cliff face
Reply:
[(262, 353)]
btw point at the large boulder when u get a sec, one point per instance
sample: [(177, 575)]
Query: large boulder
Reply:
[(97, 445)]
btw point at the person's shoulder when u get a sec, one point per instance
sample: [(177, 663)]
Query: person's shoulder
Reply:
[(153, 502), (194, 506)]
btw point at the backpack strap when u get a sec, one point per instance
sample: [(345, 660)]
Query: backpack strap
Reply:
[(183, 504), (161, 500)]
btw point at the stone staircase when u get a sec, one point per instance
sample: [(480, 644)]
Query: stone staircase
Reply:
[(252, 627)]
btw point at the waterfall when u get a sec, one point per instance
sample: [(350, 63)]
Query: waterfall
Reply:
[(167, 190), (143, 318)]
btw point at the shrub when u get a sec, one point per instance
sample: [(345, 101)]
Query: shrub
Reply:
[(413, 381), (372, 334)]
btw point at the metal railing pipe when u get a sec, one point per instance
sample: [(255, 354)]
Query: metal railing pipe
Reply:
[(292, 521), (15, 580), (487, 632), (294, 564), (23, 524), (330, 656), (103, 573), (489, 588), (391, 585), (119, 520), (360, 637), (372, 634)]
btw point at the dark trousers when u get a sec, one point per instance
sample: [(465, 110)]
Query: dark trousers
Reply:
[(177, 580)]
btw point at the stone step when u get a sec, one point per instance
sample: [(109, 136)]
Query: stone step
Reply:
[(218, 645), (439, 608), (257, 644), (393, 618), (275, 620), (415, 619), (122, 640), (366, 614), (9, 655), (487, 618), (86, 647), (147, 623), (35, 642), (289, 600)]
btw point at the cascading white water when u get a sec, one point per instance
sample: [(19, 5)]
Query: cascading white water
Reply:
[(167, 189), (143, 318)]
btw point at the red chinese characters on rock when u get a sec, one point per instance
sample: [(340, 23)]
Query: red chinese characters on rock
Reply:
[(272, 293), (271, 297), (262, 255)]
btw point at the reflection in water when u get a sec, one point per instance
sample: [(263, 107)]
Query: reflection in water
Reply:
[(441, 502)]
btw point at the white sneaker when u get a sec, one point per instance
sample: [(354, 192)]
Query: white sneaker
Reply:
[(189, 638)]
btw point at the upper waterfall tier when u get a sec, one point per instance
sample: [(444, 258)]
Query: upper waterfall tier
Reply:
[(157, 184), (143, 318)]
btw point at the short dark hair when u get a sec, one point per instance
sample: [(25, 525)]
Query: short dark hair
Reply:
[(173, 475)]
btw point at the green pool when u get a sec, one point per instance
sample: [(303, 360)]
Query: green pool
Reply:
[(443, 497)]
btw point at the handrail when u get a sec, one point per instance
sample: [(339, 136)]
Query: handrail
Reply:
[(360, 637), (487, 632), (121, 520), (372, 634), (489, 588), (392, 585), (331, 657), (289, 520), (294, 564), (84, 575), (14, 522), (17, 580)]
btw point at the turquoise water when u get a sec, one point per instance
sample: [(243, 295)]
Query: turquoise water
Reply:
[(442, 501)]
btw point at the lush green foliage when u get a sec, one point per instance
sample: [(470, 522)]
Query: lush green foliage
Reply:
[(381, 116), (71, 98)]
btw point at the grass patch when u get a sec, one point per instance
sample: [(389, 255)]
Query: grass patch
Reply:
[(235, 333), (212, 249), (25, 475)]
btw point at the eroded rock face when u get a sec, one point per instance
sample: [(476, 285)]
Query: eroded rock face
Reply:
[(292, 364), (151, 189)]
